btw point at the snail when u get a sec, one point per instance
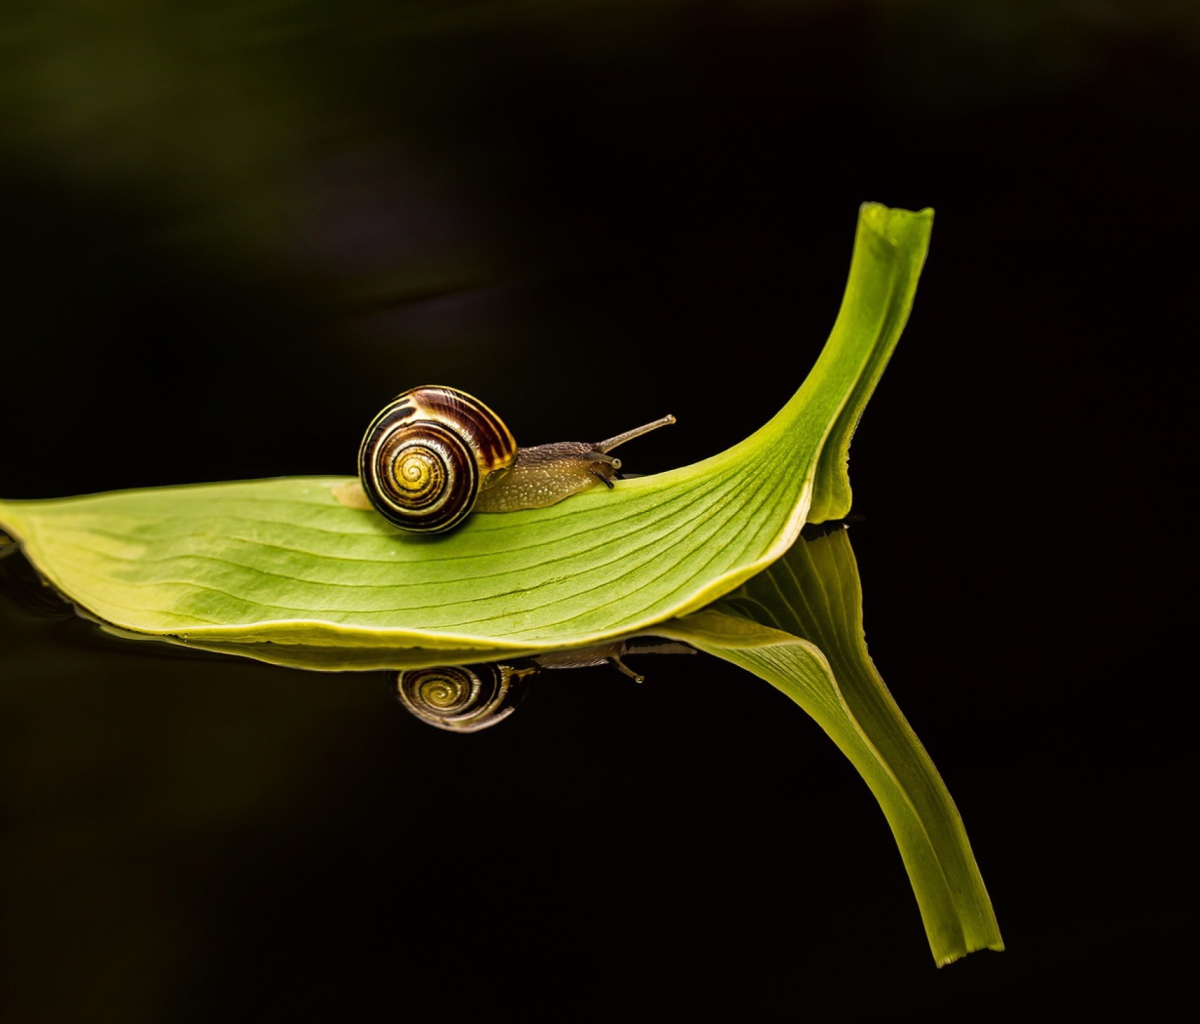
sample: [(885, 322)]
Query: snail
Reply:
[(468, 698), (434, 454)]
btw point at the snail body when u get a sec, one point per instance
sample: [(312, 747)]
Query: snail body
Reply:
[(433, 454)]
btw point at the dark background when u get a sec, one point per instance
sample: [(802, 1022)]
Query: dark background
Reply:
[(230, 232)]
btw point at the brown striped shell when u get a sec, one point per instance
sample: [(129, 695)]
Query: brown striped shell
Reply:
[(425, 457)]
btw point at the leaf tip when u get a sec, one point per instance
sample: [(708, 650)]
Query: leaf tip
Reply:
[(944, 958), (892, 223)]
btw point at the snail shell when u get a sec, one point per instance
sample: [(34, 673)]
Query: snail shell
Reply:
[(464, 698), (426, 456)]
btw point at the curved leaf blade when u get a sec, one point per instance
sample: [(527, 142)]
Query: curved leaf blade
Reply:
[(282, 561), (798, 625)]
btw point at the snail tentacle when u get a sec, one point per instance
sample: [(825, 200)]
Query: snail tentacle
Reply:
[(629, 435)]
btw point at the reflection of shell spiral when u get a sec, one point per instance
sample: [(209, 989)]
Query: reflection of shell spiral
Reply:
[(463, 698), (424, 458)]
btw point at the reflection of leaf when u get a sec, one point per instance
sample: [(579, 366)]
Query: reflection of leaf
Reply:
[(366, 656), (799, 626), (280, 560)]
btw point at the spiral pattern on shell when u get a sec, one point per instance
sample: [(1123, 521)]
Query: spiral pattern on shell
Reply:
[(426, 455), (463, 698)]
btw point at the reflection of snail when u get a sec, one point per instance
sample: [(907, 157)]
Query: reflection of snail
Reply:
[(467, 698), (464, 698), (433, 454)]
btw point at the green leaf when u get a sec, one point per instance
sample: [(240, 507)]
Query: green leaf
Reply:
[(282, 561), (798, 625)]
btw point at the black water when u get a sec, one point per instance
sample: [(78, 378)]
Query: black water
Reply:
[(230, 235)]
